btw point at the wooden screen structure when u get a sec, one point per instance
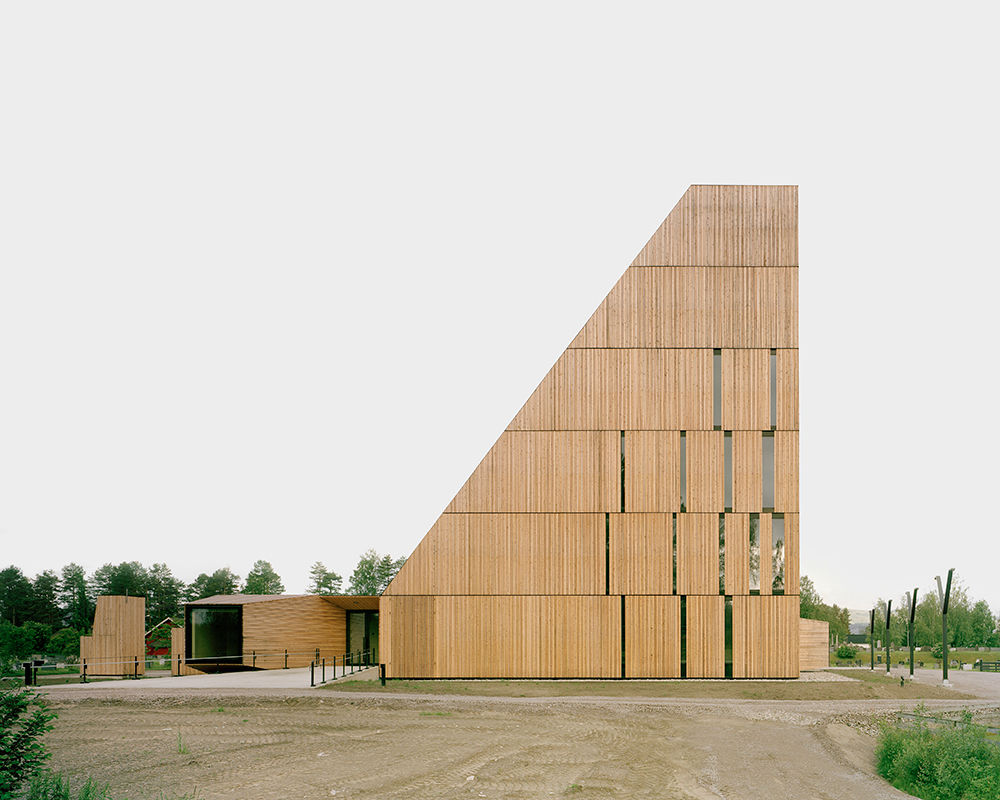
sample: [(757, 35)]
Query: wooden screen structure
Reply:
[(639, 515), (117, 644)]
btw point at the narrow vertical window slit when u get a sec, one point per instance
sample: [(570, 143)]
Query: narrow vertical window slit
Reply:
[(607, 554), (717, 389), (683, 471), (774, 388), (728, 471), (623, 472)]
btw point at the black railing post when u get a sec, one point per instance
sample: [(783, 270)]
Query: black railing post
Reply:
[(84, 677), (323, 675), (317, 654), (253, 663), (28, 666), (312, 673), (381, 673), (286, 658), (135, 669)]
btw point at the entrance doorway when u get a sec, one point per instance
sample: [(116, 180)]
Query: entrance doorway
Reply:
[(362, 635)]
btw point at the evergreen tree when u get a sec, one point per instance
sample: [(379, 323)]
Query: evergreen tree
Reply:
[(128, 578), (262, 579), (165, 593), (75, 598), (44, 606), (323, 581), (374, 572), (15, 596), (222, 581)]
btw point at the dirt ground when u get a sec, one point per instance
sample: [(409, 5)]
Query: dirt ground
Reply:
[(329, 744)]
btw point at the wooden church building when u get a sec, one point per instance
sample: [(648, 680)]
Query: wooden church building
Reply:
[(639, 517)]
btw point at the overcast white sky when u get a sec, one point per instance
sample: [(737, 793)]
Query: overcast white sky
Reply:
[(274, 277)]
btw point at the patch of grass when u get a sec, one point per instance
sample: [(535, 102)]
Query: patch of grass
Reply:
[(218, 710), (56, 786), (573, 788), (868, 686), (181, 747), (435, 713), (949, 763)]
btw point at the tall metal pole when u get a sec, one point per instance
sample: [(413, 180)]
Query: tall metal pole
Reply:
[(888, 644), (871, 629), (910, 636), (944, 595)]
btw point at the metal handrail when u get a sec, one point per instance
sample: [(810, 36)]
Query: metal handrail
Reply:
[(355, 660)]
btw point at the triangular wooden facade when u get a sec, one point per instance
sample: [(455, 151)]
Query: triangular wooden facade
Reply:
[(583, 545)]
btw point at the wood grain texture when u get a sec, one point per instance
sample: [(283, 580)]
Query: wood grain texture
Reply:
[(301, 625), (788, 389), (501, 637), (641, 554), (814, 645), (766, 636), (747, 471), (728, 226), (652, 471), (583, 391), (698, 554), (652, 637), (737, 307), (546, 471), (706, 637), (746, 390), (507, 554), (705, 471), (786, 471), (737, 554), (117, 638)]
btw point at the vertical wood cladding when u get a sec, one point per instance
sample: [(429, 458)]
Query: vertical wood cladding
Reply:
[(652, 471), (501, 636), (706, 636), (118, 637), (653, 637), (766, 636), (698, 554), (546, 471), (575, 507), (507, 554), (641, 554)]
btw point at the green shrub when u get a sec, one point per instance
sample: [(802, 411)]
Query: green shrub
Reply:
[(24, 718), (846, 652), (940, 764), (937, 651)]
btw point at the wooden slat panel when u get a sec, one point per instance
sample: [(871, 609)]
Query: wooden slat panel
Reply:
[(583, 391), (814, 644), (641, 556), (705, 470), (546, 471), (503, 637), (786, 471), (118, 637), (728, 226), (766, 637), (507, 554), (653, 637), (747, 471), (766, 573), (737, 553), (780, 629), (791, 553), (787, 362), (730, 307), (695, 369), (299, 624), (651, 384), (746, 390), (706, 637), (652, 471), (698, 554)]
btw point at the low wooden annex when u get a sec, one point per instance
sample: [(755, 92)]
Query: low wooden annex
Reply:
[(117, 643), (639, 515)]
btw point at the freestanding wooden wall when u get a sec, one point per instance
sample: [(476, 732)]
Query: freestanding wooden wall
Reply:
[(639, 516), (814, 644), (118, 637)]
